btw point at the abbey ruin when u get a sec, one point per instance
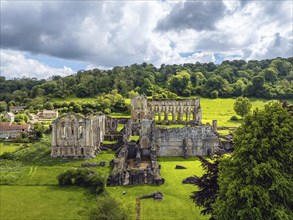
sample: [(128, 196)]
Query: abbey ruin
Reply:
[(136, 162), (76, 136)]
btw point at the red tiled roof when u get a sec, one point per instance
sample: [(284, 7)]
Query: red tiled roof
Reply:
[(6, 126)]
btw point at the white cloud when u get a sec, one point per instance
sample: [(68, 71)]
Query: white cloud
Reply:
[(14, 64), (107, 34)]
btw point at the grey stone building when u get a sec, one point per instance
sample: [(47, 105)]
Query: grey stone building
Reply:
[(76, 136), (166, 111), (136, 162)]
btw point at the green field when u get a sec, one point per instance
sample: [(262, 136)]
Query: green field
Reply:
[(176, 203), (8, 147), (34, 190), (222, 110), (44, 202)]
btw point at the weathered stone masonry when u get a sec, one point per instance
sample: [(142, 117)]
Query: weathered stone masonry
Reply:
[(187, 141), (166, 110), (136, 162), (76, 136)]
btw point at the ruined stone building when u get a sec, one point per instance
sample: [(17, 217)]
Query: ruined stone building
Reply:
[(191, 140), (76, 136), (172, 111), (136, 162)]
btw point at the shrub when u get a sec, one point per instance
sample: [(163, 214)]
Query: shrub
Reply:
[(82, 177), (108, 208), (234, 118), (214, 94)]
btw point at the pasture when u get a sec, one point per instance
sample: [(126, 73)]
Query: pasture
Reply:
[(176, 203), (34, 190), (44, 203), (9, 147)]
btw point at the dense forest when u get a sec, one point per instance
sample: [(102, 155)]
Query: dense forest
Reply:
[(270, 79)]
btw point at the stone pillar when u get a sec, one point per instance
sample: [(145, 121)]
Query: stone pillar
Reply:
[(188, 116), (54, 134), (214, 126), (173, 116), (159, 114), (166, 114)]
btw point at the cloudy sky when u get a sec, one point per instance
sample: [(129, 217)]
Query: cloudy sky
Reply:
[(45, 38)]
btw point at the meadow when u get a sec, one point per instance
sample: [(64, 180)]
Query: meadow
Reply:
[(222, 110), (45, 202), (8, 147), (176, 203), (34, 188)]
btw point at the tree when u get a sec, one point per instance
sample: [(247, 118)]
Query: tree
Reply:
[(242, 106), (49, 106), (256, 182), (21, 118), (214, 94), (3, 106), (177, 83), (39, 129), (270, 74), (208, 185)]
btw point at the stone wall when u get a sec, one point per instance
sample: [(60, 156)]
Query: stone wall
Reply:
[(76, 136), (200, 140), (166, 110)]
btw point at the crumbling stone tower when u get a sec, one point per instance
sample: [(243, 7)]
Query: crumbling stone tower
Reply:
[(139, 109), (76, 136)]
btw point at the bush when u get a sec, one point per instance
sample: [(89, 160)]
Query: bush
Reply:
[(234, 118), (108, 209), (82, 177), (214, 94)]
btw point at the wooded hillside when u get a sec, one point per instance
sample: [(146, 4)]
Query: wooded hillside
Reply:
[(271, 79)]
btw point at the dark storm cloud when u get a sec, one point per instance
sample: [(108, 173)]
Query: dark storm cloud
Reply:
[(198, 15), (51, 28)]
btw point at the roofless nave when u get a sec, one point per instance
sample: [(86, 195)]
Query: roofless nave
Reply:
[(136, 162)]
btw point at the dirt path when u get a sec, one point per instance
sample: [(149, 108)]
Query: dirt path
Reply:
[(137, 208)]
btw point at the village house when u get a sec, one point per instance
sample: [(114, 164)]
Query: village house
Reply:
[(17, 108), (48, 114), (10, 116), (8, 130)]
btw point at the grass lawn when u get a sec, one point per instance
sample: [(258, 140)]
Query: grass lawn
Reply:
[(44, 202), (110, 142), (75, 99), (8, 147), (222, 110), (176, 203), (171, 126), (133, 138), (120, 127), (29, 192), (119, 115), (33, 192)]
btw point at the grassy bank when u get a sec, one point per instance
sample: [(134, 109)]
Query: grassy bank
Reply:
[(44, 202), (9, 147), (34, 190)]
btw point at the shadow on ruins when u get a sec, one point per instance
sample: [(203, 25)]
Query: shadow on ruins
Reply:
[(136, 163)]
